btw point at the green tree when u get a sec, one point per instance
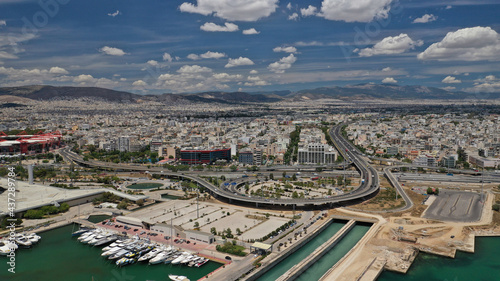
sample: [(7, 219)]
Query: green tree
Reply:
[(233, 168), (140, 202), (271, 176), (122, 205), (213, 230)]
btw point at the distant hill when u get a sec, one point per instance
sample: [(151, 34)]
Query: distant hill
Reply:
[(50, 92), (351, 92), (384, 91)]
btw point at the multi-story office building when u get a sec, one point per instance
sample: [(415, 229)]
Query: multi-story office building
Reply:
[(315, 153), (246, 157), (123, 143), (195, 156)]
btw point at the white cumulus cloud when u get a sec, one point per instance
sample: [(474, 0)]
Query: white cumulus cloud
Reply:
[(283, 64), (391, 45), (451, 80), (250, 31), (355, 10), (449, 88), (58, 70), (467, 44), (239, 62), (293, 16), (425, 18), (190, 69), (489, 84), (83, 78), (212, 55), (309, 11), (139, 83), (207, 55), (193, 57), (234, 10), (167, 57), (152, 62), (111, 51), (289, 49), (114, 14), (3, 23), (212, 27), (389, 80)]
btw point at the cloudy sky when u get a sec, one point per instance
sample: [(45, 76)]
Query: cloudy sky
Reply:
[(158, 46)]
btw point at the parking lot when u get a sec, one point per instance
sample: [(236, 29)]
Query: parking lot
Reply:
[(457, 206), (184, 213)]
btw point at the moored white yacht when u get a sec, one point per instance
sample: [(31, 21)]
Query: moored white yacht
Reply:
[(6, 247), (33, 237), (177, 277), (22, 241)]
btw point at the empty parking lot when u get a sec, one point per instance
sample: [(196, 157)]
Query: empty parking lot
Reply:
[(458, 206)]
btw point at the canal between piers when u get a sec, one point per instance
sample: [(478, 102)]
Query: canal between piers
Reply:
[(330, 258)]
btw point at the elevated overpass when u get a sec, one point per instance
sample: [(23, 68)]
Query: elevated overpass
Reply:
[(368, 187)]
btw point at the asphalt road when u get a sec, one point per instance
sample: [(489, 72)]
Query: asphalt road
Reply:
[(368, 186)]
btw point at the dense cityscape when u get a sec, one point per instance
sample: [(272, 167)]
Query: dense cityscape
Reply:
[(255, 140)]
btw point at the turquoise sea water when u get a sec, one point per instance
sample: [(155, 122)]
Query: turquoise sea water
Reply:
[(335, 254), (483, 265), (61, 257), (302, 252)]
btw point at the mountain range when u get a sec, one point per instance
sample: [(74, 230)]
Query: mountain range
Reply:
[(350, 92)]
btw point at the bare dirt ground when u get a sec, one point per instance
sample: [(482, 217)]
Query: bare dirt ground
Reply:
[(395, 240)]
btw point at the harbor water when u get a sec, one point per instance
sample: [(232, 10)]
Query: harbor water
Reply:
[(302, 252), (319, 268), (59, 256), (483, 265)]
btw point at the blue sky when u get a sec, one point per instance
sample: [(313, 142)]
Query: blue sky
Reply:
[(160, 46)]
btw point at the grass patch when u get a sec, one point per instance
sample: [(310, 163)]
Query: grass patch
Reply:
[(232, 248)]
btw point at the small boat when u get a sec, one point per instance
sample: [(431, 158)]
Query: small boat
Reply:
[(33, 238), (6, 247), (170, 259), (118, 254), (187, 259), (180, 258), (106, 240), (125, 261), (111, 251), (177, 277), (153, 253), (202, 262), (81, 231), (86, 234), (161, 257), (22, 241)]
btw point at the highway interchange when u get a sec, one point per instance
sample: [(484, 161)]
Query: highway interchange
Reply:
[(369, 184)]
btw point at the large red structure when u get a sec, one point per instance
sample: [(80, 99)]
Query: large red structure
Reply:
[(29, 144)]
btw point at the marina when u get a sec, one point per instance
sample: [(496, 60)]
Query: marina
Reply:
[(73, 260)]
